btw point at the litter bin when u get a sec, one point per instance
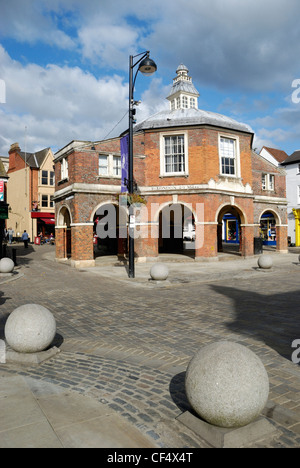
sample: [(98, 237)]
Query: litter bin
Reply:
[(258, 245), (37, 241)]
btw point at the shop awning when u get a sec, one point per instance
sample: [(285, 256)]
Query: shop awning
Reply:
[(44, 216), (48, 220)]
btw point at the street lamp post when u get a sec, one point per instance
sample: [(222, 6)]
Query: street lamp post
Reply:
[(146, 66)]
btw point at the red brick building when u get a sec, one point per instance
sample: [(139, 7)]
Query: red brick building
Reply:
[(191, 168)]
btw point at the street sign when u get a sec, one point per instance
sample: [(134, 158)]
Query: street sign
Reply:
[(3, 211)]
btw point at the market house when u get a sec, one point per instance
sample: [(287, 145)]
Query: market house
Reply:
[(186, 160)]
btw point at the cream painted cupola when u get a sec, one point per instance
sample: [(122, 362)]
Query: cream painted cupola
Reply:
[(184, 110), (183, 94)]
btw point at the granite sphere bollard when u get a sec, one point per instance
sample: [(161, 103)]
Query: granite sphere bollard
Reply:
[(265, 262), (6, 265), (159, 272), (30, 328), (227, 384)]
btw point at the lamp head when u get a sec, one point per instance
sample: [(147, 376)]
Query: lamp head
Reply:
[(147, 66)]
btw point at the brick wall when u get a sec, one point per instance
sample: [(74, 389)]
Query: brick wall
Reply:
[(203, 157), (204, 164), (82, 242), (15, 161), (259, 167)]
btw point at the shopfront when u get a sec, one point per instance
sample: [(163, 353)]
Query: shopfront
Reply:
[(230, 229), (43, 224), (268, 229)]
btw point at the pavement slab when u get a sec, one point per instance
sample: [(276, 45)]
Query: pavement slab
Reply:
[(118, 380)]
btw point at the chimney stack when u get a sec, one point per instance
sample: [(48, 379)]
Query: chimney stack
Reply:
[(14, 149)]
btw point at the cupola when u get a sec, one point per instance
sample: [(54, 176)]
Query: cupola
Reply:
[(183, 94)]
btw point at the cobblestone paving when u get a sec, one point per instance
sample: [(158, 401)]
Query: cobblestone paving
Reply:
[(128, 345)]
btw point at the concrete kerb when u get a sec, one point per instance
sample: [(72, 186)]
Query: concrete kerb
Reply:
[(219, 437), (8, 277), (190, 271)]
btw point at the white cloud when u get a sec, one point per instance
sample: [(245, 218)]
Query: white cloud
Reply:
[(232, 45), (58, 104), (249, 45), (26, 21), (108, 44)]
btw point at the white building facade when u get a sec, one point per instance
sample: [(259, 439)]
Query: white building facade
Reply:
[(292, 167)]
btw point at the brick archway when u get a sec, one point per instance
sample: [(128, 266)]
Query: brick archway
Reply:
[(242, 233), (63, 234)]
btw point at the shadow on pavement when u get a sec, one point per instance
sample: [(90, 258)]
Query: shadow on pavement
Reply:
[(22, 254), (177, 392), (272, 319)]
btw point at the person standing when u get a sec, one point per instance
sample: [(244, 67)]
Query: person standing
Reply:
[(25, 239)]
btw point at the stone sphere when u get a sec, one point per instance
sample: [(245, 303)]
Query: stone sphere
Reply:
[(265, 262), (30, 328), (159, 272), (6, 265), (227, 384)]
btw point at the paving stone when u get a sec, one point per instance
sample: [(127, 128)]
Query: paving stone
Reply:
[(129, 345)]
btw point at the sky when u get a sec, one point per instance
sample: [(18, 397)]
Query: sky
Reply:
[(64, 66)]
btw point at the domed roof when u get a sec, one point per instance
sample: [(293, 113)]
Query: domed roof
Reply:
[(183, 113), (182, 83), (182, 67), (185, 117)]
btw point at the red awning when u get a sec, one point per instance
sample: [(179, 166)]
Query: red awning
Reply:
[(48, 220), (41, 214)]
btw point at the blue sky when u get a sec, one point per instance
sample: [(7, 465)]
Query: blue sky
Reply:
[(65, 65)]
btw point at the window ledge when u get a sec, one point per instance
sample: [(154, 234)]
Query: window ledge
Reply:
[(62, 181), (174, 174), (108, 177), (230, 177)]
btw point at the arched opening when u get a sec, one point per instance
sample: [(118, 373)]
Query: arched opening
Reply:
[(229, 230), (267, 226), (176, 230), (110, 231), (64, 220)]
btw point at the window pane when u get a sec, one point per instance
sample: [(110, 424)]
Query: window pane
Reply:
[(45, 200), (44, 177), (184, 102), (228, 166), (117, 166), (64, 169), (103, 165), (227, 153), (51, 178), (174, 154)]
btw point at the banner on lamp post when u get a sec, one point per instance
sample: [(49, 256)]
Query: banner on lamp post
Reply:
[(124, 163)]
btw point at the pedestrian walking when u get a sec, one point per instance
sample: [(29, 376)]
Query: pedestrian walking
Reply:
[(25, 239), (10, 235)]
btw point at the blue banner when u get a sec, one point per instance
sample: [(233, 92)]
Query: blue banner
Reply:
[(124, 162)]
